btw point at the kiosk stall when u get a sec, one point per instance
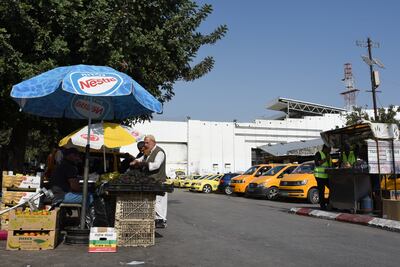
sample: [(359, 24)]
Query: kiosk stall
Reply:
[(362, 182)]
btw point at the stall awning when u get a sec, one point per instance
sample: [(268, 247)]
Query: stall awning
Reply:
[(362, 131)]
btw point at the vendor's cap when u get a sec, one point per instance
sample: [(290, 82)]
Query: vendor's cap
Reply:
[(140, 144), (70, 151)]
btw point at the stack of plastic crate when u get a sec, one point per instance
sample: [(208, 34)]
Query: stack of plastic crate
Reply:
[(17, 189), (134, 219)]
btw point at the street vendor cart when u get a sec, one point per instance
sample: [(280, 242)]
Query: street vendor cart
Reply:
[(351, 188)]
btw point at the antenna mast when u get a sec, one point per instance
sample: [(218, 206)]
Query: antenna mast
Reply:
[(350, 93)]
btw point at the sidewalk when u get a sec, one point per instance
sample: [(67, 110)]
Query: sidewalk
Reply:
[(385, 224)]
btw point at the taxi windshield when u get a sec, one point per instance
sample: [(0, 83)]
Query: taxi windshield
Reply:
[(273, 171), (251, 170), (304, 168)]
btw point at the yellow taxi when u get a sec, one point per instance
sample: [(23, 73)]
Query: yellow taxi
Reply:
[(191, 179), (240, 183), (388, 183), (179, 181), (206, 185), (301, 183), (267, 184), (169, 181)]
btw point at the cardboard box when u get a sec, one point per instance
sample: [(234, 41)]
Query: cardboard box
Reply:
[(17, 197), (17, 241), (31, 221), (4, 219), (391, 209), (102, 239), (19, 181), (4, 225)]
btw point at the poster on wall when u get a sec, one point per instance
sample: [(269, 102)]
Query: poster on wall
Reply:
[(385, 157)]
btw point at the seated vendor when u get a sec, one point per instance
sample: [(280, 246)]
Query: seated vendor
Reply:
[(65, 181), (348, 157)]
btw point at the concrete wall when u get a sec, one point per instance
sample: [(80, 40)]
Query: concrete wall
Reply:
[(210, 147)]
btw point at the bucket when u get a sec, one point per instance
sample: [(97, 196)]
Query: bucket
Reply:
[(3, 235), (366, 204)]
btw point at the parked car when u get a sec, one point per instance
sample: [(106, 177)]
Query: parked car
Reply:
[(179, 181), (301, 183), (192, 178), (388, 182), (267, 185), (225, 181), (239, 183), (206, 185), (169, 181)]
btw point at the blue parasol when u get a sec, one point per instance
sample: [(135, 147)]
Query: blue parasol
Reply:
[(84, 92)]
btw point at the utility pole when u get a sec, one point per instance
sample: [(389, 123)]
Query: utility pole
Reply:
[(371, 72), (371, 61)]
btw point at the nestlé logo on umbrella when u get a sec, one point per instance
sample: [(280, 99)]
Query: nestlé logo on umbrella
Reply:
[(83, 107), (87, 83), (93, 137)]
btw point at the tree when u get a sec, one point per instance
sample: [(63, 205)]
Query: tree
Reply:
[(385, 115), (155, 42)]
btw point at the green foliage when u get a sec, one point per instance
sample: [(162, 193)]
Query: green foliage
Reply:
[(356, 115), (384, 115), (154, 41)]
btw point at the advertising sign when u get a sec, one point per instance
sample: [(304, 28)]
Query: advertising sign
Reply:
[(98, 109), (95, 84), (385, 130), (385, 157), (102, 239)]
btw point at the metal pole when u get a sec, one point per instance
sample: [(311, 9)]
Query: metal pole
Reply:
[(394, 169), (379, 175), (104, 150), (371, 71), (86, 170)]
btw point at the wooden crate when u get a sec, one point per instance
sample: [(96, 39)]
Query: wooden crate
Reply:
[(135, 206), (135, 233)]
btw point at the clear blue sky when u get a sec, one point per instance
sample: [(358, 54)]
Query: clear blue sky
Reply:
[(293, 49)]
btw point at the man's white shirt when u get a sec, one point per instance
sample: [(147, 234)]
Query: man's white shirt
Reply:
[(160, 157)]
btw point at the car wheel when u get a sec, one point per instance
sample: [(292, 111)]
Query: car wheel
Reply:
[(272, 193), (246, 194), (207, 188), (228, 190), (313, 196)]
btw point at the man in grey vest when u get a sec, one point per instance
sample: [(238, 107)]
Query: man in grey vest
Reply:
[(154, 164)]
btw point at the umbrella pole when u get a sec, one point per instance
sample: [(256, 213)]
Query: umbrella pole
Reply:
[(86, 170), (104, 152), (104, 157)]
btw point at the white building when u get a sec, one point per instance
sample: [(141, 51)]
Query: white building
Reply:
[(210, 147)]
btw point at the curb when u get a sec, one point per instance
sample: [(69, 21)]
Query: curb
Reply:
[(366, 220)]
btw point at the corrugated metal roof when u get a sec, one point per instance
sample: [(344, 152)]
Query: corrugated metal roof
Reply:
[(301, 108), (284, 149)]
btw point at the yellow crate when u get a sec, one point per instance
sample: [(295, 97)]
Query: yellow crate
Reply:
[(21, 181), (16, 197), (40, 220), (16, 240)]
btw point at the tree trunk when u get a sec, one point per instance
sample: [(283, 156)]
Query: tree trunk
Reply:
[(17, 147)]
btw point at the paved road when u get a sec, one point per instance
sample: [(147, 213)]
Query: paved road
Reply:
[(217, 230)]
